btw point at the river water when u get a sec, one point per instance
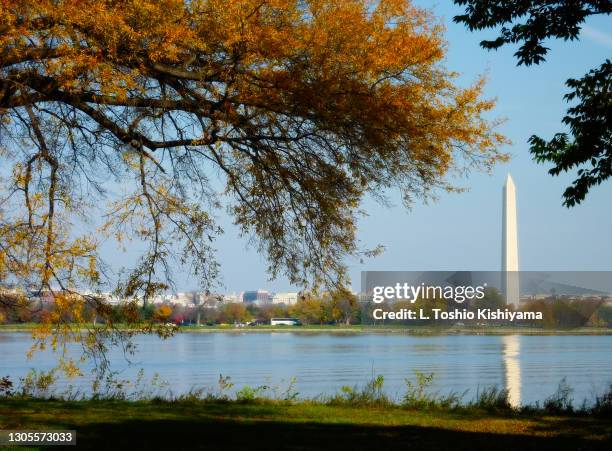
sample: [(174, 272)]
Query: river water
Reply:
[(530, 367)]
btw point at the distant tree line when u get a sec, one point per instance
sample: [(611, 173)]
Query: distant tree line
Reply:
[(340, 308), (337, 308)]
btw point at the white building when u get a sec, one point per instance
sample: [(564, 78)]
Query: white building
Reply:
[(186, 298), (288, 298), (232, 298), (108, 297)]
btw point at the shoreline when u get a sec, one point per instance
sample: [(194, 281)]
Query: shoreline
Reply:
[(366, 330)]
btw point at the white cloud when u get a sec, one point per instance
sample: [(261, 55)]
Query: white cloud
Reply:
[(597, 36)]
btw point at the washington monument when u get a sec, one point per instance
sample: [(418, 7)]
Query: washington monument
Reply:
[(510, 265)]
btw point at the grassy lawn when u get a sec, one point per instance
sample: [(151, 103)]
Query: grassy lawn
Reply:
[(303, 426)]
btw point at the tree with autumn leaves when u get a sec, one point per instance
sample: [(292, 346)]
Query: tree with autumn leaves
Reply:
[(119, 118)]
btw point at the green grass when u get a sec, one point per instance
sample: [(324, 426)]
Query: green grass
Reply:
[(356, 329), (111, 424), (17, 326), (403, 329)]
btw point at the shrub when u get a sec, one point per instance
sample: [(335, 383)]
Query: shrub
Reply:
[(603, 404), (372, 394), (6, 387), (561, 401), (38, 384), (417, 395), (248, 394), (492, 399)]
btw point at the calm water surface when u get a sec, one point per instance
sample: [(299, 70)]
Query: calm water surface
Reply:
[(530, 367)]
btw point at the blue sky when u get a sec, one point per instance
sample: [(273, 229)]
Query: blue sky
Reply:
[(462, 231)]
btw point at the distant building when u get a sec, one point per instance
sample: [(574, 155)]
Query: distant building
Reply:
[(110, 298), (288, 298), (211, 300), (257, 297), (232, 298), (185, 298)]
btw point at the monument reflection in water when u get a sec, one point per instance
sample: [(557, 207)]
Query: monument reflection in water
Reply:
[(512, 368)]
